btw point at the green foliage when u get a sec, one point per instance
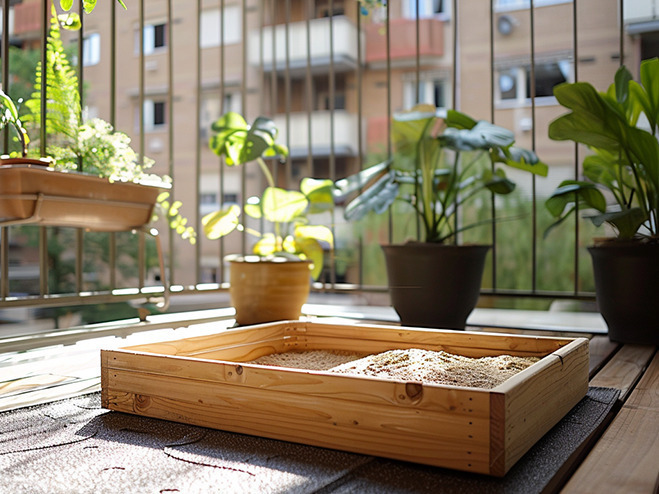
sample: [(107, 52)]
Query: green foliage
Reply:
[(9, 116), (625, 159), (438, 167), (87, 5), (286, 210), (63, 112)]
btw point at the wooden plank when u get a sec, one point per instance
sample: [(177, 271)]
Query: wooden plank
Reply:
[(553, 385), (601, 350), (624, 369), (460, 341), (626, 458)]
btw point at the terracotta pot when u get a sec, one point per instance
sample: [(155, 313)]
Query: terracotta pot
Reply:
[(626, 285), (41, 195), (266, 291), (434, 285)]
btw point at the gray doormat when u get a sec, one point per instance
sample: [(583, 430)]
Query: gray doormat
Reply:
[(74, 446)]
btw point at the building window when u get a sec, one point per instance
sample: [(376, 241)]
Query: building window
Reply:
[(324, 10), (155, 38), (426, 8), (217, 28), (91, 49), (514, 83), (155, 115), (430, 89), (525, 4)]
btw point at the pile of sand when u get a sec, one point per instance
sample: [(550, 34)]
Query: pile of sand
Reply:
[(414, 364)]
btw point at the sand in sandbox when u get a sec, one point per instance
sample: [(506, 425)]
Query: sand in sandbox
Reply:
[(425, 366)]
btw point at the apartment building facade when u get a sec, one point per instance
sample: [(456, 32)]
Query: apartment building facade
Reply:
[(331, 77)]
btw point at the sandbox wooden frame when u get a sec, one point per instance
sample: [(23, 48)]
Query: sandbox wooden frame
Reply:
[(205, 381)]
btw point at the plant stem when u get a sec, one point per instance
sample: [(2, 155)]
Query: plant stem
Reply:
[(271, 183)]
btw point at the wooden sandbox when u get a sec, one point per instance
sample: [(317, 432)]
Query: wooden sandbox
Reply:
[(208, 381)]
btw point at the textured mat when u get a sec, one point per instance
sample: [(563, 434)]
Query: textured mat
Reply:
[(74, 446)]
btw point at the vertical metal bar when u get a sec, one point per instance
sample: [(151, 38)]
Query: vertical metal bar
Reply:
[(113, 121), (79, 242), (140, 257), (492, 195), (332, 97), (417, 66), (621, 18), (243, 105), (454, 89), (222, 111), (43, 235), (534, 217), (575, 48), (4, 231), (5, 63), (197, 157), (387, 23), (287, 90), (360, 135), (170, 138), (309, 91)]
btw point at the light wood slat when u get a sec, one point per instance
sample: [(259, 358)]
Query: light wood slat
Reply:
[(624, 369), (626, 458)]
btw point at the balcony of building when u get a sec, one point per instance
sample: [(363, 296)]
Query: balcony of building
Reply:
[(315, 45)]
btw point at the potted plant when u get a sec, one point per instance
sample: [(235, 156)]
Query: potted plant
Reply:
[(620, 189), (115, 193), (443, 159), (273, 283)]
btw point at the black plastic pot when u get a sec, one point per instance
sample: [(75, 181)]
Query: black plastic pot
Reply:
[(434, 285), (627, 289)]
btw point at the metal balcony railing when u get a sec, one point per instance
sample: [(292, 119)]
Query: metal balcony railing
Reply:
[(160, 68)]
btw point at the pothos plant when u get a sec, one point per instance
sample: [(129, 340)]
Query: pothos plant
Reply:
[(619, 126), (436, 168), (73, 144), (285, 211)]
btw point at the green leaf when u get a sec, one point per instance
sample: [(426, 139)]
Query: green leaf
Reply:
[(571, 191), (266, 245), (66, 4), (621, 84), (319, 232), (70, 21), (89, 5), (497, 182), (376, 198), (483, 135), (650, 83), (312, 250), (319, 194), (283, 206), (356, 182), (221, 223), (459, 120), (253, 208), (627, 221)]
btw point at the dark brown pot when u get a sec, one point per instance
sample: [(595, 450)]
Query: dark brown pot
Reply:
[(627, 289), (266, 291), (434, 285)]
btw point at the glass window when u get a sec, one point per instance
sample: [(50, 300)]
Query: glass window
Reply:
[(216, 28), (91, 49), (426, 8), (155, 115), (155, 38)]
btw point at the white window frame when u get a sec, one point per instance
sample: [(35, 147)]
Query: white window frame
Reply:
[(150, 38), (149, 115), (210, 33), (91, 49), (426, 9), (508, 5), (427, 81), (520, 72)]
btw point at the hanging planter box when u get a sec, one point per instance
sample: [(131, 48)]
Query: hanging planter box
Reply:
[(207, 381), (32, 193)]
